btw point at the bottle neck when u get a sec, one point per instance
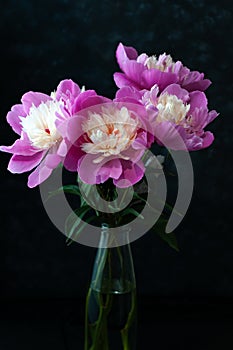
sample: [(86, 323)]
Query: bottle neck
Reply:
[(114, 237), (113, 269)]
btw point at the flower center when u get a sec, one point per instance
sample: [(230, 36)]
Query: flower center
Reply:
[(40, 126), (171, 108), (163, 63), (110, 133)]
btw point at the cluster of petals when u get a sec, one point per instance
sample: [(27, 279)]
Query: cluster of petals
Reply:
[(159, 100), (143, 71), (88, 133), (40, 146), (171, 89), (180, 116), (108, 141)]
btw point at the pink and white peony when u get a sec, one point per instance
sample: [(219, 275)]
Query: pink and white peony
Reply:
[(35, 121), (108, 141), (180, 115), (143, 71)]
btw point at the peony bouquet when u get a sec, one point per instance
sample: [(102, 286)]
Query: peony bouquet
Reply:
[(160, 108), (159, 102)]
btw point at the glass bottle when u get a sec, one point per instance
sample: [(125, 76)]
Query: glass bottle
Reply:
[(111, 310)]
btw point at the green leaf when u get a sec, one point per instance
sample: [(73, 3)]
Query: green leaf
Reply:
[(133, 212), (73, 189), (170, 238), (69, 240), (74, 220)]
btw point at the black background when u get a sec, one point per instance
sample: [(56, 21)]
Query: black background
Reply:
[(188, 294)]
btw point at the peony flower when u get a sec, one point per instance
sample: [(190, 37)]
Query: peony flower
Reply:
[(179, 114), (143, 71), (107, 141), (34, 120)]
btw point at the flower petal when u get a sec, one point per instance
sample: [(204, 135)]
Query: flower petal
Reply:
[(33, 98), (122, 80), (111, 169), (125, 53), (62, 149), (38, 176), (68, 88), (175, 89), (73, 156), (51, 160), (152, 76), (73, 128), (211, 116), (88, 170), (207, 139), (170, 136), (130, 92), (134, 71), (195, 142), (20, 147), (20, 164), (197, 100), (194, 80), (13, 117), (131, 174), (44, 170)]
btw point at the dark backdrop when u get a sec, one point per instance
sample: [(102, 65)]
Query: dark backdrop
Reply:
[(43, 42)]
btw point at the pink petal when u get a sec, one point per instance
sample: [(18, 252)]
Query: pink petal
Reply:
[(142, 58), (111, 169), (20, 147), (122, 80), (170, 135), (95, 173), (194, 81), (128, 91), (20, 164), (88, 170), (152, 76), (51, 160), (175, 89), (93, 101), (39, 175), (44, 170), (33, 98), (197, 100), (135, 152), (74, 128), (87, 99), (67, 87), (72, 158), (134, 71), (77, 106), (62, 149), (141, 141), (196, 143), (125, 53), (212, 115), (201, 85), (131, 174), (207, 139), (13, 117)]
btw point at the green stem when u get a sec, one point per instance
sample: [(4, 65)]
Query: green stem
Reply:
[(131, 317)]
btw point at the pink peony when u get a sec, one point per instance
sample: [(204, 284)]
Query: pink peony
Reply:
[(34, 120), (107, 141), (179, 113), (142, 72)]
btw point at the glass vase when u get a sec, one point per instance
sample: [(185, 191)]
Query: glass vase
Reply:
[(111, 310)]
